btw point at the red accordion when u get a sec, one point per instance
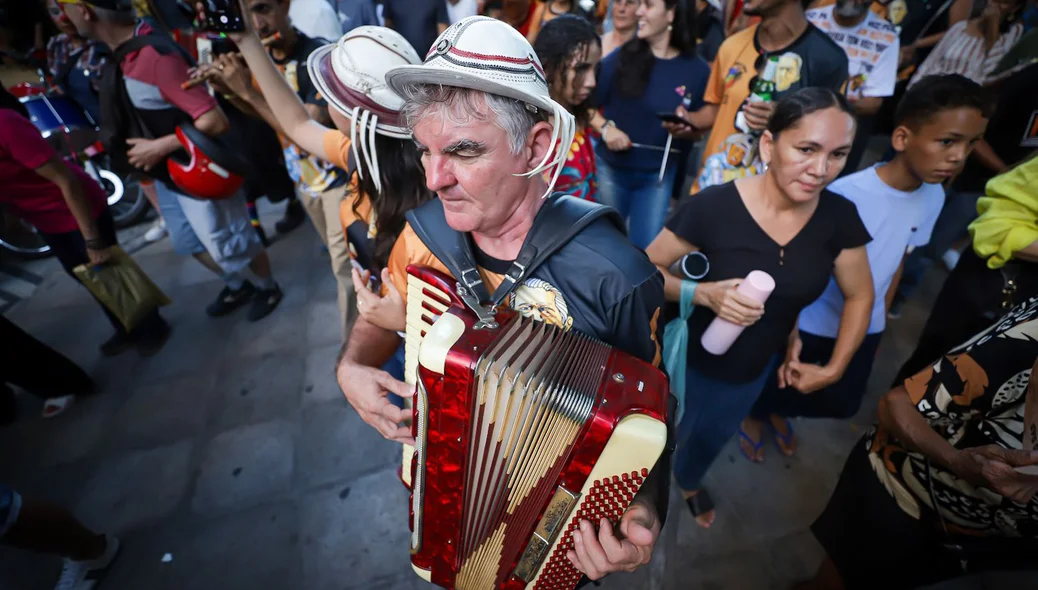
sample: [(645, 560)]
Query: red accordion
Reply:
[(522, 430)]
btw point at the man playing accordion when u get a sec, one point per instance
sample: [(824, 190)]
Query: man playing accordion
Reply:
[(490, 139)]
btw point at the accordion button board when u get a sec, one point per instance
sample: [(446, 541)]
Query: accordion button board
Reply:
[(522, 431)]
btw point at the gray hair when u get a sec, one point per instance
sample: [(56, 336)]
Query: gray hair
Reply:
[(513, 116), (116, 17)]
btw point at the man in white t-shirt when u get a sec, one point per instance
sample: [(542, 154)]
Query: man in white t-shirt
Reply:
[(315, 19), (872, 48)]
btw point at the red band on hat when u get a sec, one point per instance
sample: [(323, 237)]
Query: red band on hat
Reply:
[(351, 97), (482, 56)]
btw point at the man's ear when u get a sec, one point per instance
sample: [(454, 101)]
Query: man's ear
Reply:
[(899, 138), (538, 143)]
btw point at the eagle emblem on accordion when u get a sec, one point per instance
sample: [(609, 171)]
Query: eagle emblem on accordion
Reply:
[(522, 430)]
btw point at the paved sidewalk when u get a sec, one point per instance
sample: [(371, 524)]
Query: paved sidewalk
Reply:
[(234, 452)]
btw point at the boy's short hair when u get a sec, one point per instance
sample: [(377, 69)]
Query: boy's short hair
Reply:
[(935, 94)]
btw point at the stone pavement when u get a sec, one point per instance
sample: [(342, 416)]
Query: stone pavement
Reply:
[(234, 452)]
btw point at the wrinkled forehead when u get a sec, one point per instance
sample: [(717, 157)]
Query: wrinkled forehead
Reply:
[(440, 125), (453, 116)]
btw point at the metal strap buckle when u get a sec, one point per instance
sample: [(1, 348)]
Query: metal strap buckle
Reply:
[(485, 314), (470, 278), (515, 273)]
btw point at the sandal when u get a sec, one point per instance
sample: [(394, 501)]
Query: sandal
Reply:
[(56, 405), (756, 444), (784, 441), (700, 504)]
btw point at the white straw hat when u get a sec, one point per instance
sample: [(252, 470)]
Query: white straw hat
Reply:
[(351, 76), (485, 54)]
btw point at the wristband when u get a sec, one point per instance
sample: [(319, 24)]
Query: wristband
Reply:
[(96, 244)]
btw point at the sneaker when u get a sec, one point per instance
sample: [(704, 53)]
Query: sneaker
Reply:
[(264, 302), (157, 231), (294, 217), (84, 575), (119, 343), (229, 300)]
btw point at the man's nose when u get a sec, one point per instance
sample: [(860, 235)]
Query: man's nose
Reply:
[(438, 173)]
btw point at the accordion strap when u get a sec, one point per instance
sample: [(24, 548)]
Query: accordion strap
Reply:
[(560, 219)]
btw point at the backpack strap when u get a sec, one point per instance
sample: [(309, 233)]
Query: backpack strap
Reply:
[(560, 219)]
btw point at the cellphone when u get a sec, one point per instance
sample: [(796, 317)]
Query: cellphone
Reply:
[(671, 118), (224, 16)]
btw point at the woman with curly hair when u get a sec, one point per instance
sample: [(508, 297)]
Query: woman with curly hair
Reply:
[(570, 50)]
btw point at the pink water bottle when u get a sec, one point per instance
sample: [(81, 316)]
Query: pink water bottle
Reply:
[(721, 334)]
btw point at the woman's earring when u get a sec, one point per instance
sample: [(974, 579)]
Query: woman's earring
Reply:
[(670, 27)]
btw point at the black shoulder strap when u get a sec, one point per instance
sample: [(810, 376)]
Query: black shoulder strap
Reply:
[(560, 219), (351, 165)]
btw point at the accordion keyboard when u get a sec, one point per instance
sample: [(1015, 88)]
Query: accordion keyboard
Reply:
[(425, 303)]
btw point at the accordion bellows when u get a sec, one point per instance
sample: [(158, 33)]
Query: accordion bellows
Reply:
[(522, 430)]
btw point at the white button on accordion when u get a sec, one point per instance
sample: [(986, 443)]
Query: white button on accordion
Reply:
[(522, 430)]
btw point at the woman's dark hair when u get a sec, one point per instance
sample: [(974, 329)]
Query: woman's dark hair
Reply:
[(403, 189), (796, 105), (9, 101), (560, 42), (634, 64)]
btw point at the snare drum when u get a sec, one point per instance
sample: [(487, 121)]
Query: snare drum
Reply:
[(57, 114)]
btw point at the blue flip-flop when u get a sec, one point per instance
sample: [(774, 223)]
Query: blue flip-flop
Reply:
[(787, 439), (756, 444)]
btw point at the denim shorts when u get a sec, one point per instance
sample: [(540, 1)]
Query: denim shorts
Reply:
[(220, 227), (10, 506)]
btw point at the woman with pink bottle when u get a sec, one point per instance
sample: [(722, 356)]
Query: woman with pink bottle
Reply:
[(772, 242)]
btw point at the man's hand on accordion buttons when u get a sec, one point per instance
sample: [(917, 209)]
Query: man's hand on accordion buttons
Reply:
[(367, 389), (607, 552), (385, 312)]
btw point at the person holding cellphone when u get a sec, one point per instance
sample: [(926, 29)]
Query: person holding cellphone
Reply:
[(656, 71)]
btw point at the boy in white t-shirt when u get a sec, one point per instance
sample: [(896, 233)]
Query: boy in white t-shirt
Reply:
[(872, 48), (937, 123)]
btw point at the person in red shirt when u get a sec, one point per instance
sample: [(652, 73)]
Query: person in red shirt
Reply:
[(69, 209)]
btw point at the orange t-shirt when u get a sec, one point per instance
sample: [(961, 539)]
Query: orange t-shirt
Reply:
[(337, 146), (409, 249)]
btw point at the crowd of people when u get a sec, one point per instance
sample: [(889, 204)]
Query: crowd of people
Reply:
[(398, 127)]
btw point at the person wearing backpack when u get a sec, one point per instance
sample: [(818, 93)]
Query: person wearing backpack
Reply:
[(143, 102)]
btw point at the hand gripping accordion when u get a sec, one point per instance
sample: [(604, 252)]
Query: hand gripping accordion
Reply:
[(485, 54), (522, 430), (207, 168)]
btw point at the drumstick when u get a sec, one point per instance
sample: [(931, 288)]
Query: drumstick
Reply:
[(205, 74)]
